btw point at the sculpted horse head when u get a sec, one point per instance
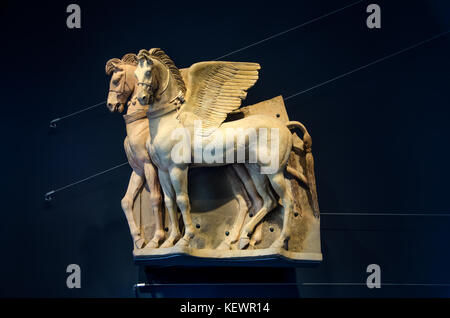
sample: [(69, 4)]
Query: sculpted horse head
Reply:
[(159, 80), (122, 82)]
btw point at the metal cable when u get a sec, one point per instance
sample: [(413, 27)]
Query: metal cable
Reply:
[(48, 194), (54, 121), (288, 30), (369, 64)]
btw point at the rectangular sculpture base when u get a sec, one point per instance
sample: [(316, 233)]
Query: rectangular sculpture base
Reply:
[(186, 256)]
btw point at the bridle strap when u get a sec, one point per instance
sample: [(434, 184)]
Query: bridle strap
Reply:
[(139, 114), (173, 105), (146, 84), (121, 90), (162, 111), (117, 92)]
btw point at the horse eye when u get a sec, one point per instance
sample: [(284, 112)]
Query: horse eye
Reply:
[(147, 74)]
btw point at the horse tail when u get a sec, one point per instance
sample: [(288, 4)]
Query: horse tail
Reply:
[(311, 180), (307, 140)]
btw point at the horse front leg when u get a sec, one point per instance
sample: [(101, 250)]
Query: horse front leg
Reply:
[(169, 202), (155, 201), (179, 179), (135, 184)]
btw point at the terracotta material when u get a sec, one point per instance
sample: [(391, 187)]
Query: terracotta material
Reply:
[(122, 92), (230, 212), (213, 91)]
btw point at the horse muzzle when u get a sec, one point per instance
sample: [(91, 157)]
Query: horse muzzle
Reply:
[(145, 99), (115, 107)]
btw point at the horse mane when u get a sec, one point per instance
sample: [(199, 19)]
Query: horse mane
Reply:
[(161, 56), (129, 59)]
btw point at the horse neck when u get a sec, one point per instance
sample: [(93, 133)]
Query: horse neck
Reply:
[(167, 97), (157, 124), (133, 107), (167, 94)]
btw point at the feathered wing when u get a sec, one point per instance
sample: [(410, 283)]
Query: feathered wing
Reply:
[(216, 89)]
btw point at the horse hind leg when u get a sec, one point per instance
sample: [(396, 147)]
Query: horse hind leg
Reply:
[(262, 187), (256, 236), (239, 191), (282, 188), (255, 200), (135, 184)]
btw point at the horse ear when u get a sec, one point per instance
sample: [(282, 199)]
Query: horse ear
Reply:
[(143, 56), (143, 61), (112, 65), (130, 58)]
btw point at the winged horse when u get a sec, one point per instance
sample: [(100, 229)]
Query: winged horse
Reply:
[(215, 90), (122, 97)]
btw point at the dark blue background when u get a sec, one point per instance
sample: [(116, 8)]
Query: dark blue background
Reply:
[(380, 135)]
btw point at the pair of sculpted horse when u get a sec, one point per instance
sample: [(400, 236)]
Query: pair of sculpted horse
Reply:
[(161, 99)]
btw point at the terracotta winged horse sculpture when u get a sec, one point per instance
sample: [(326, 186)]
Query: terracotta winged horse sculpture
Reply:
[(214, 90), (122, 93)]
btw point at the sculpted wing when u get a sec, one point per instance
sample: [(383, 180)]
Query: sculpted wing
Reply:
[(216, 89)]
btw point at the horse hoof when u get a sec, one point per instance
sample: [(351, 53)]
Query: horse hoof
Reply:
[(139, 243), (152, 244), (183, 242), (278, 244), (253, 243), (255, 240), (158, 236), (243, 242), (167, 243)]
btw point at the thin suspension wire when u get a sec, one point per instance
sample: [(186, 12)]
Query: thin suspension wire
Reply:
[(288, 30), (140, 285), (369, 64), (82, 110), (385, 214), (54, 121), (90, 177), (48, 195), (382, 284)]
